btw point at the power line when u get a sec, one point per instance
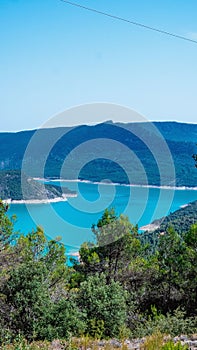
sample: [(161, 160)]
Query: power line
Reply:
[(130, 22)]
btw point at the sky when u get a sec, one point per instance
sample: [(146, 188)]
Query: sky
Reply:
[(54, 56)]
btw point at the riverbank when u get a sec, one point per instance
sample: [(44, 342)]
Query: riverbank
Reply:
[(166, 187), (40, 201), (149, 227)]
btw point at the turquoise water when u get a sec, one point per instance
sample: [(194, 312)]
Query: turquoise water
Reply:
[(72, 220)]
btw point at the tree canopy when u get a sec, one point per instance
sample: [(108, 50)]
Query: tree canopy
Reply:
[(119, 283)]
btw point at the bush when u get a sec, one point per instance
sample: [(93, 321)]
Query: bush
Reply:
[(156, 342), (63, 321), (174, 324), (27, 299), (103, 303), (171, 346)]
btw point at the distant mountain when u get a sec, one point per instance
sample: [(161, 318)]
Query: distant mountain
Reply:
[(10, 188), (114, 151)]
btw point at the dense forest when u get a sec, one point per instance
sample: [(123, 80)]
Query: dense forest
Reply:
[(119, 287), (83, 148), (181, 220)]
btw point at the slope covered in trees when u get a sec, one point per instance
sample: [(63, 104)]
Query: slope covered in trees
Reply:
[(118, 286), (180, 138), (181, 220), (17, 186)]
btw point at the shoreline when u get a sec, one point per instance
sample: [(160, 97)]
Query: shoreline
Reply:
[(164, 187), (152, 226), (39, 201), (74, 254), (184, 206), (149, 227)]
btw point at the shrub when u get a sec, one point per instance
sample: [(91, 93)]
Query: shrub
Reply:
[(156, 342), (173, 324), (171, 346), (103, 303)]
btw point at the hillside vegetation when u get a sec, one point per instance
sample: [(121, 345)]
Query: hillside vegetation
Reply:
[(12, 188), (118, 288), (181, 220), (180, 138)]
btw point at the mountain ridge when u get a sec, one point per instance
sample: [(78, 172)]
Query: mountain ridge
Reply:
[(181, 139)]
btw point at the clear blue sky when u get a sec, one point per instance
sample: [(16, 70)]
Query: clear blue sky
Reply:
[(54, 56)]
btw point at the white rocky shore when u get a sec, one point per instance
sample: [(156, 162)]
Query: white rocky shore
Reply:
[(41, 201), (149, 227)]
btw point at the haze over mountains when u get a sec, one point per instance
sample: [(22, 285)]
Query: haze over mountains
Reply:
[(124, 153)]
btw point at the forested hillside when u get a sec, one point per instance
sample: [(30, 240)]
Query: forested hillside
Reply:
[(181, 140), (12, 188), (181, 220)]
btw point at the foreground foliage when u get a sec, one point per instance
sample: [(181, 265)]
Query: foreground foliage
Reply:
[(119, 287)]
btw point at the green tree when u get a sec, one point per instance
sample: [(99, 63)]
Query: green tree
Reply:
[(116, 244), (7, 236), (33, 277), (190, 276), (104, 303), (27, 299), (173, 264), (64, 320), (51, 253), (141, 284), (9, 255), (6, 226)]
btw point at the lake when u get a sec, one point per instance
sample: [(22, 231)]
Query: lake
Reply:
[(72, 219)]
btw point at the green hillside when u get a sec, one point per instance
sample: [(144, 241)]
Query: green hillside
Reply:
[(97, 158), (10, 187), (180, 220)]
